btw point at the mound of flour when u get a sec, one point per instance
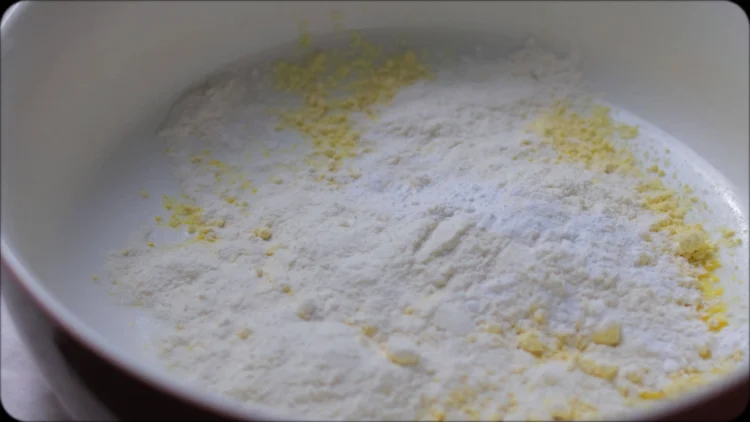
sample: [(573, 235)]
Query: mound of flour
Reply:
[(446, 275)]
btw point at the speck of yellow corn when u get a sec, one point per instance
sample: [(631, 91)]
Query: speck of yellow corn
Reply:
[(539, 316), (717, 321), (651, 395), (530, 342), (272, 250), (369, 330), (144, 194), (409, 310), (596, 369), (286, 289), (636, 377), (609, 335), (244, 333), (494, 329), (206, 234), (263, 233), (151, 244)]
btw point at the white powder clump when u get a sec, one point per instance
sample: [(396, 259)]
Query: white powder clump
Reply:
[(453, 277)]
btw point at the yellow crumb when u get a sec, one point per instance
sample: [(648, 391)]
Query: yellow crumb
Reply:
[(609, 335), (530, 342), (651, 395), (704, 352), (144, 194), (272, 250), (596, 369), (636, 377), (263, 233), (494, 329), (369, 330)]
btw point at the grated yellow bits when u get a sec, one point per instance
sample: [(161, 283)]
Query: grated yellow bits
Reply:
[(367, 79), (596, 369), (244, 333), (609, 335), (587, 139), (263, 233), (530, 342)]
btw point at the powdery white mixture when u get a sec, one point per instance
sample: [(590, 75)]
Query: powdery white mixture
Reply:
[(429, 282)]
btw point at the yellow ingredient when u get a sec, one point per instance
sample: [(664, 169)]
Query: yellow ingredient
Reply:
[(263, 233), (599, 370), (530, 342), (369, 330), (366, 77), (494, 329), (587, 139), (244, 333), (610, 335)]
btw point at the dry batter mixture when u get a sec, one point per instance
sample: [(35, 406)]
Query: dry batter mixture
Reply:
[(473, 241)]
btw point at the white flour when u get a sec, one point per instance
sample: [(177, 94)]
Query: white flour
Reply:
[(423, 286)]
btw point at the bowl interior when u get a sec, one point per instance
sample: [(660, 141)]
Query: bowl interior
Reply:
[(79, 139)]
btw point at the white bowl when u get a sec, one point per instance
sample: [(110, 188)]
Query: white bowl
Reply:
[(84, 86)]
